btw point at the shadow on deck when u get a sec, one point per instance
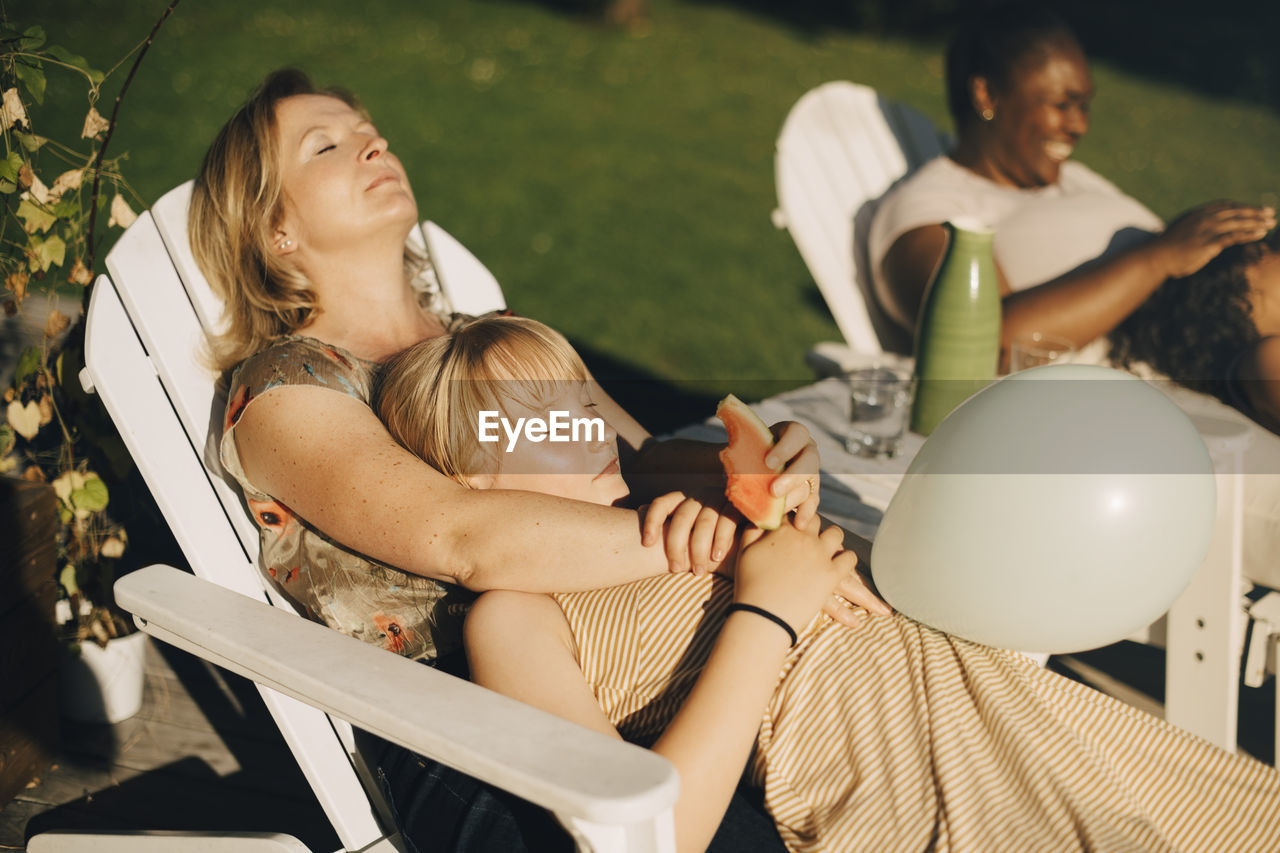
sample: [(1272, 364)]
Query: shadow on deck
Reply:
[(203, 754)]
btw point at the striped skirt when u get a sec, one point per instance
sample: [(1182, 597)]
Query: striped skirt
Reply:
[(895, 737)]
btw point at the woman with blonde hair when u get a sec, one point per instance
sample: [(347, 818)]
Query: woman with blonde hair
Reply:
[(298, 219), (887, 736)]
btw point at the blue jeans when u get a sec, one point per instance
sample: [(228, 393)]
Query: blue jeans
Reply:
[(439, 809)]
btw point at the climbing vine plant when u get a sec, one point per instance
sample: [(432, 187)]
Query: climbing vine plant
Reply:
[(54, 191)]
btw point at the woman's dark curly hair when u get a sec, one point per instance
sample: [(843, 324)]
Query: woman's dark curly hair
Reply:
[(1193, 329)]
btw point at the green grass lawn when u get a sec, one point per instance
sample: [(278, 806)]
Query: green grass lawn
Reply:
[(618, 184)]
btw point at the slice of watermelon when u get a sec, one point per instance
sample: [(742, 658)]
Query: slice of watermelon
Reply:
[(748, 477)]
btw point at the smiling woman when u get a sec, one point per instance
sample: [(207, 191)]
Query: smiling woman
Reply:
[(1074, 254)]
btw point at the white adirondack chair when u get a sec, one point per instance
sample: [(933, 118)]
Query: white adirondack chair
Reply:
[(146, 324), (841, 147)]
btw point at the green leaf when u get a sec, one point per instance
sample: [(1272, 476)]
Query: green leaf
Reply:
[(67, 580), (80, 62), (7, 186), (29, 141), (28, 363), (34, 218), (66, 207), (47, 253), (33, 78), (8, 438), (10, 165), (33, 37), (92, 497)]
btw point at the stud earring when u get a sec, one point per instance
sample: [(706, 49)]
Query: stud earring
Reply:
[(286, 243), (988, 114)]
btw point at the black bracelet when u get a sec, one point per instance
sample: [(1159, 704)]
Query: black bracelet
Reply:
[(772, 617)]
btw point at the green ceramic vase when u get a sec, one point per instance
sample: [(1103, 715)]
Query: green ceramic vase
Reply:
[(957, 345)]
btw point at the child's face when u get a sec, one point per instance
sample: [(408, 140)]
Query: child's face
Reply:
[(584, 467)]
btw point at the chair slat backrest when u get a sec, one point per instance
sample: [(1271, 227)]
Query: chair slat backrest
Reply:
[(841, 147), (468, 284), (144, 354), (125, 377), (170, 214), (126, 380), (173, 332)]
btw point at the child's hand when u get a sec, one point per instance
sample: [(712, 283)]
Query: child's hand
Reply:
[(793, 571), (798, 482), (696, 535)]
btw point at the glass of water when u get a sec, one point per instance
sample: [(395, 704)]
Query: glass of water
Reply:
[(880, 398)]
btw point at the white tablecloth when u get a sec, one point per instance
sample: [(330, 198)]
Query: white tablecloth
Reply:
[(856, 490)]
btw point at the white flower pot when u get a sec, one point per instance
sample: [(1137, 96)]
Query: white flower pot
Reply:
[(103, 685)]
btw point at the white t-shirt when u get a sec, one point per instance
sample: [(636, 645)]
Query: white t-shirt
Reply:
[(1040, 233)]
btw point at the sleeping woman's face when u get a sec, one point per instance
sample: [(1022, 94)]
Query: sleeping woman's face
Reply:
[(582, 467), (341, 182), (1264, 292)]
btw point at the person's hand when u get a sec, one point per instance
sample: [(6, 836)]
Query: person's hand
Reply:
[(798, 483), (793, 571), (696, 534), (1197, 236), (852, 599)]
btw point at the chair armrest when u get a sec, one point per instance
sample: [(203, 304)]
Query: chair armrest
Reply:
[(561, 766)]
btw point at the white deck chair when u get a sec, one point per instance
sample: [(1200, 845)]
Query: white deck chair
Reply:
[(841, 147), (146, 324)]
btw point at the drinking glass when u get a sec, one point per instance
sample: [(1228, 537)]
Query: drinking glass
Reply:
[(880, 404), (1036, 349)]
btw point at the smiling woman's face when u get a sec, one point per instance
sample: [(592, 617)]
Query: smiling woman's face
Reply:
[(1040, 116), (341, 182)]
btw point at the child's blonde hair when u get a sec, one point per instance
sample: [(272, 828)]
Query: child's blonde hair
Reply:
[(430, 395)]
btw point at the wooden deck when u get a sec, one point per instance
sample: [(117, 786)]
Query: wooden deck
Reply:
[(204, 754)]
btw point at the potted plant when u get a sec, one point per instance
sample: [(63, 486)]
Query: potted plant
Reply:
[(55, 194)]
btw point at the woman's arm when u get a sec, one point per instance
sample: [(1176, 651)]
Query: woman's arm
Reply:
[(328, 458), (1087, 302), (520, 645), (677, 464), (699, 532)]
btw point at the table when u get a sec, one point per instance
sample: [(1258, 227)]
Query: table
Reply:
[(1203, 632)]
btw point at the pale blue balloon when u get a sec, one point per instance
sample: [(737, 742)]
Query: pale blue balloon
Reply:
[(1060, 509)]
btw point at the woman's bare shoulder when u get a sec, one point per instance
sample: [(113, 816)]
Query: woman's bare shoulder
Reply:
[(504, 607), (503, 622)]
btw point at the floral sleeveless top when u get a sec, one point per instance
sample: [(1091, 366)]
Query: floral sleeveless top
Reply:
[(405, 613)]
